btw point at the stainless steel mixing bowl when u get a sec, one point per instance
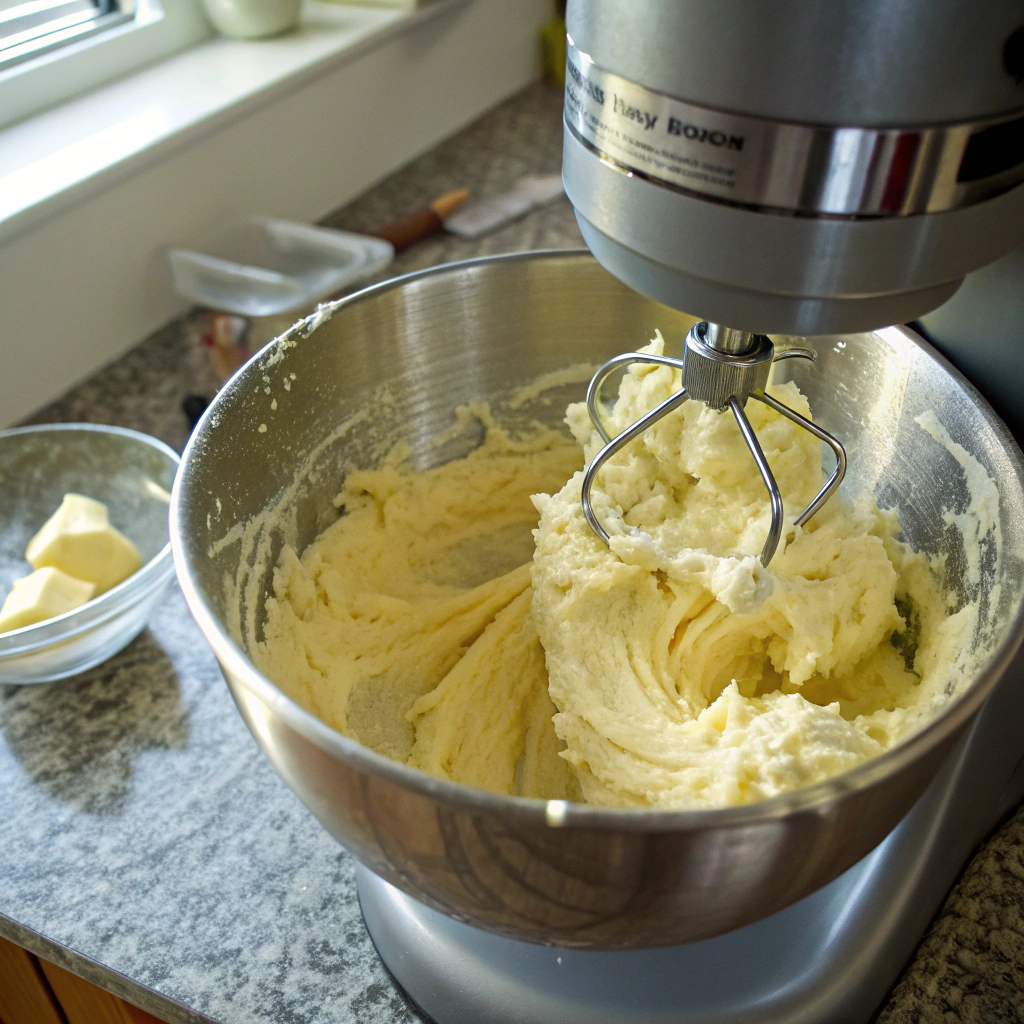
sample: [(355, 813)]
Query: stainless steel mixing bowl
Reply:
[(570, 875)]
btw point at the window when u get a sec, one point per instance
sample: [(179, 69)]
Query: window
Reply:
[(28, 29), (53, 50)]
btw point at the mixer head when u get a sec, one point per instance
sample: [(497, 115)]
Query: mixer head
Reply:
[(722, 368), (796, 168)]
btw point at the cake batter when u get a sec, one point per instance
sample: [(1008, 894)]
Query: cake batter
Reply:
[(672, 671), (406, 625)]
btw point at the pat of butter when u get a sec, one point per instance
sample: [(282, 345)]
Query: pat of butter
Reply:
[(79, 540), (46, 593)]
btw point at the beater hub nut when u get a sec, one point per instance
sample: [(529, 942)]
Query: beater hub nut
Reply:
[(713, 377)]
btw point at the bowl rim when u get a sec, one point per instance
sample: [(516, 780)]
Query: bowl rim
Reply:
[(562, 813), (111, 603)]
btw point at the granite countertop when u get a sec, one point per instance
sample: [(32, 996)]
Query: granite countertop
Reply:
[(147, 845)]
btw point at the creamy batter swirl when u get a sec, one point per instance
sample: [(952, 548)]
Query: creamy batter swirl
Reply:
[(671, 671)]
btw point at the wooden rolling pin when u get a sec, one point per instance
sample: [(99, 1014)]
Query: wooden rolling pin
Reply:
[(420, 224)]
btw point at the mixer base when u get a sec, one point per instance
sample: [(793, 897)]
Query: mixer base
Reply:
[(831, 958)]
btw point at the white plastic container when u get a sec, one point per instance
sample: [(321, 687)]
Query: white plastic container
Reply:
[(265, 267)]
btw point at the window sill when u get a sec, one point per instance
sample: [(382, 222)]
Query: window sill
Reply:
[(94, 192), (56, 158)]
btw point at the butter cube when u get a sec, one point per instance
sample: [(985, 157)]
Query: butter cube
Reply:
[(43, 595), (79, 540)]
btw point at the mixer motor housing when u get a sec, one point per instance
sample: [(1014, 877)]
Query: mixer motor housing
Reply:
[(797, 167)]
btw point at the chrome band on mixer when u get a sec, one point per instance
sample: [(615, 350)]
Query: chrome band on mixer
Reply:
[(755, 162)]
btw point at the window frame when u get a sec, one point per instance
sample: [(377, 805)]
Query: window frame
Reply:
[(157, 29), (45, 25)]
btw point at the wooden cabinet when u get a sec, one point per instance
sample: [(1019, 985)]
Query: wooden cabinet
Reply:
[(34, 991)]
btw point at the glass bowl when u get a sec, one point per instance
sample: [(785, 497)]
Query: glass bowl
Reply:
[(132, 474)]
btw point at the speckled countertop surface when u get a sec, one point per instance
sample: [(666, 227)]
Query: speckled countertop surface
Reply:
[(147, 845)]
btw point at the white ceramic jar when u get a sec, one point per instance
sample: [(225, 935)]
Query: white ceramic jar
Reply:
[(253, 19)]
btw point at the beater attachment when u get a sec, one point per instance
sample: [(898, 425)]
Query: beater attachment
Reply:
[(722, 368)]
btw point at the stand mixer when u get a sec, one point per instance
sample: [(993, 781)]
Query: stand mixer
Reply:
[(778, 196), (796, 169)]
